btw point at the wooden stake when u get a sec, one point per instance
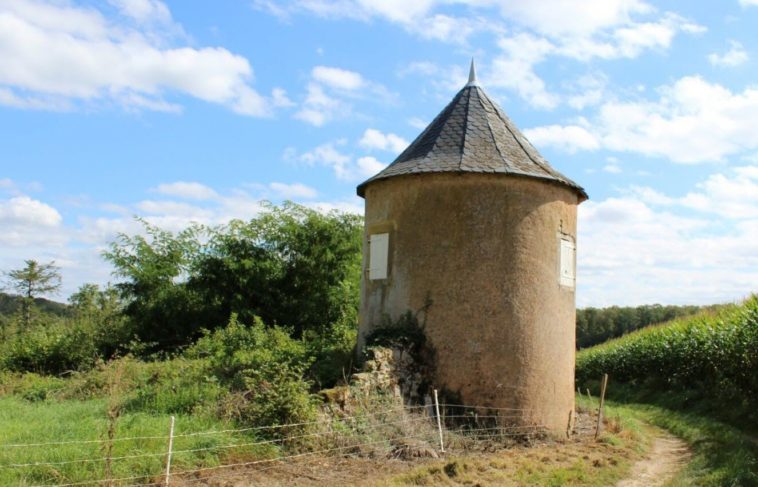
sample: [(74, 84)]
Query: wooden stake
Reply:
[(602, 403), (170, 451), (439, 424)]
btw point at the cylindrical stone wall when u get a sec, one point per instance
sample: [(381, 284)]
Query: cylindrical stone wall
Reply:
[(486, 250)]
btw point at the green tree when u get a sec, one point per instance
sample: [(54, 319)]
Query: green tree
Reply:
[(31, 281), (155, 268), (291, 266)]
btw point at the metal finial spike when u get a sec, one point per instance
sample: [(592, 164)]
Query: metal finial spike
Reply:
[(472, 81)]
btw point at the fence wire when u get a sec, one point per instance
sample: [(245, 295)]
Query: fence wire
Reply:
[(465, 423)]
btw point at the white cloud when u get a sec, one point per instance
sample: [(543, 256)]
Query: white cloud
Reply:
[(338, 78), (354, 205), (748, 3), (26, 222), (692, 121), (630, 253), (569, 138), (318, 107), (610, 33), (145, 11), (55, 55), (573, 17), (280, 99), (22, 210), (417, 123), (514, 69), (695, 248), (588, 90), (187, 190), (735, 56), (293, 191), (329, 91), (612, 168), (367, 166), (375, 139), (345, 166)]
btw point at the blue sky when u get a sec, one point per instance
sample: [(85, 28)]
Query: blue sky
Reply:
[(196, 111)]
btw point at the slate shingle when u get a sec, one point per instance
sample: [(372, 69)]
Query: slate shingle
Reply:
[(472, 134)]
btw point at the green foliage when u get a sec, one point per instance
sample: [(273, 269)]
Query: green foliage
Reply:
[(10, 304), (332, 351), (52, 349), (22, 421), (405, 332), (263, 367), (178, 386), (291, 266), (161, 309), (596, 325), (30, 386), (715, 355), (723, 454), (94, 330), (31, 281)]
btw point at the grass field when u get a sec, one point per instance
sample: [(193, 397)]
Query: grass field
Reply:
[(24, 422)]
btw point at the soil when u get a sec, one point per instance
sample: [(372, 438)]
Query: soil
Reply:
[(668, 455)]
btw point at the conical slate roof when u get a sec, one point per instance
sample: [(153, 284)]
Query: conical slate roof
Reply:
[(472, 135)]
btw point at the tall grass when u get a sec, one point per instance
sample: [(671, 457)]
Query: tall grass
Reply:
[(22, 422)]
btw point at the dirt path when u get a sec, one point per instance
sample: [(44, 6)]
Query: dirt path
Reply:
[(668, 456)]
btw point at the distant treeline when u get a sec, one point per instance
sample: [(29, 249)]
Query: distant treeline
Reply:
[(596, 325), (11, 304)]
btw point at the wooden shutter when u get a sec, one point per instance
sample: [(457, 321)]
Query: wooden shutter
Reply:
[(378, 253), (568, 263)]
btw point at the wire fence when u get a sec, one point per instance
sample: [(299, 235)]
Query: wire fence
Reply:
[(390, 432)]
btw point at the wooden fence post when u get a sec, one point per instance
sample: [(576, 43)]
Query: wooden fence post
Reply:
[(602, 403), (439, 423), (170, 451)]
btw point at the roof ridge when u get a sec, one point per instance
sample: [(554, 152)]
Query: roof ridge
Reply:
[(465, 125), (518, 139), (492, 133)]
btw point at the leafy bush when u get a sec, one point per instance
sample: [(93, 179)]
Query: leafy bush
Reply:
[(332, 351), (52, 349), (715, 354), (263, 368), (63, 346)]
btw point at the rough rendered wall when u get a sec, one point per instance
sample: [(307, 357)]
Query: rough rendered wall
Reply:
[(485, 249)]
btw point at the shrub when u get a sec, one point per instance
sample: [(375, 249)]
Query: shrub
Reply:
[(50, 350), (332, 351), (64, 345), (263, 368)]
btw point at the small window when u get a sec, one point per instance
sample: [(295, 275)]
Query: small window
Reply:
[(378, 252), (568, 263)]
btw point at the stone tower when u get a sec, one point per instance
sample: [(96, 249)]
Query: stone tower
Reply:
[(472, 219)]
